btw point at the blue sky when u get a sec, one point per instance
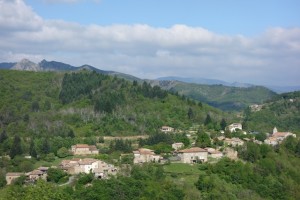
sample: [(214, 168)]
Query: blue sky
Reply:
[(253, 41), (221, 16)]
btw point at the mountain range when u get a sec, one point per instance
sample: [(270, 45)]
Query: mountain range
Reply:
[(217, 93), (27, 65)]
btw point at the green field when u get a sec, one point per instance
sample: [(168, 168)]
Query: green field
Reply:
[(185, 176)]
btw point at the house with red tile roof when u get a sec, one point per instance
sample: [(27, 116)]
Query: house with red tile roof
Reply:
[(193, 155), (84, 149), (11, 176), (143, 155)]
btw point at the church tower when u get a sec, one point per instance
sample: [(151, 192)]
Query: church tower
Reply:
[(275, 130)]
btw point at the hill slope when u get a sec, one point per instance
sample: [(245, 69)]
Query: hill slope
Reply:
[(283, 111), (220, 96), (90, 104)]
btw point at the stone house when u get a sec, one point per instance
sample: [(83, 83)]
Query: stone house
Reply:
[(76, 166), (143, 155), (233, 142), (104, 170), (231, 153), (36, 174), (177, 145), (277, 137), (86, 165), (10, 176), (193, 155), (84, 149), (213, 153)]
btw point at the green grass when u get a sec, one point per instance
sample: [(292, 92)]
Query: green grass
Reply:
[(185, 176)]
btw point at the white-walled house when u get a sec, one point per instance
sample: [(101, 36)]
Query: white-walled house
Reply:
[(143, 155), (193, 155), (86, 165), (167, 129), (234, 126)]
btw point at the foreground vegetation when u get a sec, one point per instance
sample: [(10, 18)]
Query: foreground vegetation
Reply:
[(43, 114)]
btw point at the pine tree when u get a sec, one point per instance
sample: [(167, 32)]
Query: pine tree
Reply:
[(190, 113), (32, 150), (223, 124), (207, 120), (46, 147), (16, 148), (3, 136)]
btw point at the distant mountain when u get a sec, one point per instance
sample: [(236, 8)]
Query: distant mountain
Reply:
[(283, 89), (220, 96), (6, 65), (55, 66), (204, 81), (27, 65)]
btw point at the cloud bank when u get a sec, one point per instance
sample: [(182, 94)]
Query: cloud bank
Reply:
[(149, 52)]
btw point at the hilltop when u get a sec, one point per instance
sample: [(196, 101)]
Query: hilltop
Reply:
[(223, 97)]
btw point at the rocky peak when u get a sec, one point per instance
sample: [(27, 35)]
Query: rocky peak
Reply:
[(26, 65)]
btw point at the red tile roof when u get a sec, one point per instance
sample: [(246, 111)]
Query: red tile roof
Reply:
[(192, 150)]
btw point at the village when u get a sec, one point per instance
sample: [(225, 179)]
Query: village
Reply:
[(84, 161)]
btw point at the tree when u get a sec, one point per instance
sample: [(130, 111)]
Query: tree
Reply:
[(190, 113), (203, 140), (207, 120), (63, 152), (223, 124), (32, 150), (47, 105), (261, 136), (35, 106), (26, 166), (16, 148), (20, 180), (71, 134), (2, 180), (55, 175), (3, 136), (251, 153), (26, 118), (297, 150), (46, 146)]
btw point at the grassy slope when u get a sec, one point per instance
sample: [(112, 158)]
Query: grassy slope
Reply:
[(185, 176)]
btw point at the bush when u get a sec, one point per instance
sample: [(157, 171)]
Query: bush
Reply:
[(63, 152), (56, 175)]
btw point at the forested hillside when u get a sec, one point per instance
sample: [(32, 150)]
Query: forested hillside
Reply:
[(283, 111), (52, 106), (220, 96)]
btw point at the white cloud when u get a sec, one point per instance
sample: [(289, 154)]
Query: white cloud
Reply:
[(15, 15), (150, 52)]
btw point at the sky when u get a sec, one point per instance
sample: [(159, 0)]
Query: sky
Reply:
[(253, 41)]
